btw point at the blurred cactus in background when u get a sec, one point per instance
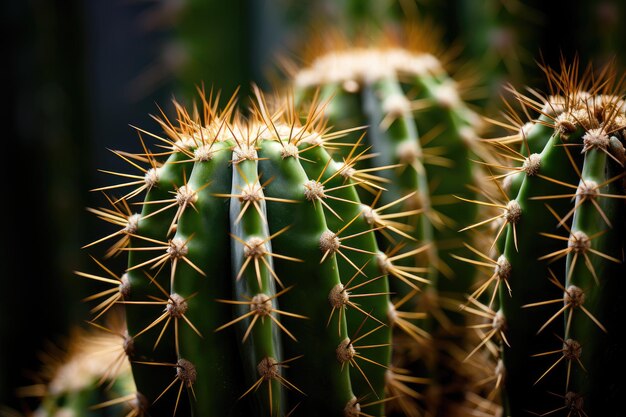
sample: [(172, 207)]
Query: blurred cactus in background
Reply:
[(418, 128), (86, 375)]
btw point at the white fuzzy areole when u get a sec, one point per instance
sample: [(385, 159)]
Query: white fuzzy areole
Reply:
[(396, 105), (595, 139), (362, 65), (446, 96), (532, 164), (151, 178)]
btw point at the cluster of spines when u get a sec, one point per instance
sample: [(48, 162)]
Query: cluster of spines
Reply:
[(253, 260), (552, 298)]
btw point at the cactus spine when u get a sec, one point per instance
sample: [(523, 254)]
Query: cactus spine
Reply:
[(555, 322)]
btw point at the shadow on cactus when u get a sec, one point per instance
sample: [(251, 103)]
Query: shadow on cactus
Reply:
[(554, 306)]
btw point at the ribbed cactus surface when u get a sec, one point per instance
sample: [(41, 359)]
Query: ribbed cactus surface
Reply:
[(423, 138), (255, 284), (560, 270)]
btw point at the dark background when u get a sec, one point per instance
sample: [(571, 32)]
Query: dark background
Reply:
[(79, 73)]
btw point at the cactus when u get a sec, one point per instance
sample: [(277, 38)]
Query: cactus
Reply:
[(420, 130), (254, 283), (559, 276), (87, 376)]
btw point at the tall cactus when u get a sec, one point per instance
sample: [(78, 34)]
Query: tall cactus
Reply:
[(254, 281), (422, 132), (561, 268)]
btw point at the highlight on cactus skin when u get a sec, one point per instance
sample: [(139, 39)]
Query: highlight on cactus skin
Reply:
[(255, 284), (552, 301), (419, 131)]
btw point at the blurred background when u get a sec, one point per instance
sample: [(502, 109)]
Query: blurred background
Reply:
[(81, 72)]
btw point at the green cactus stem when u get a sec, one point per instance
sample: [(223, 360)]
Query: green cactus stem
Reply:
[(88, 376), (560, 307), (419, 131), (253, 263)]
